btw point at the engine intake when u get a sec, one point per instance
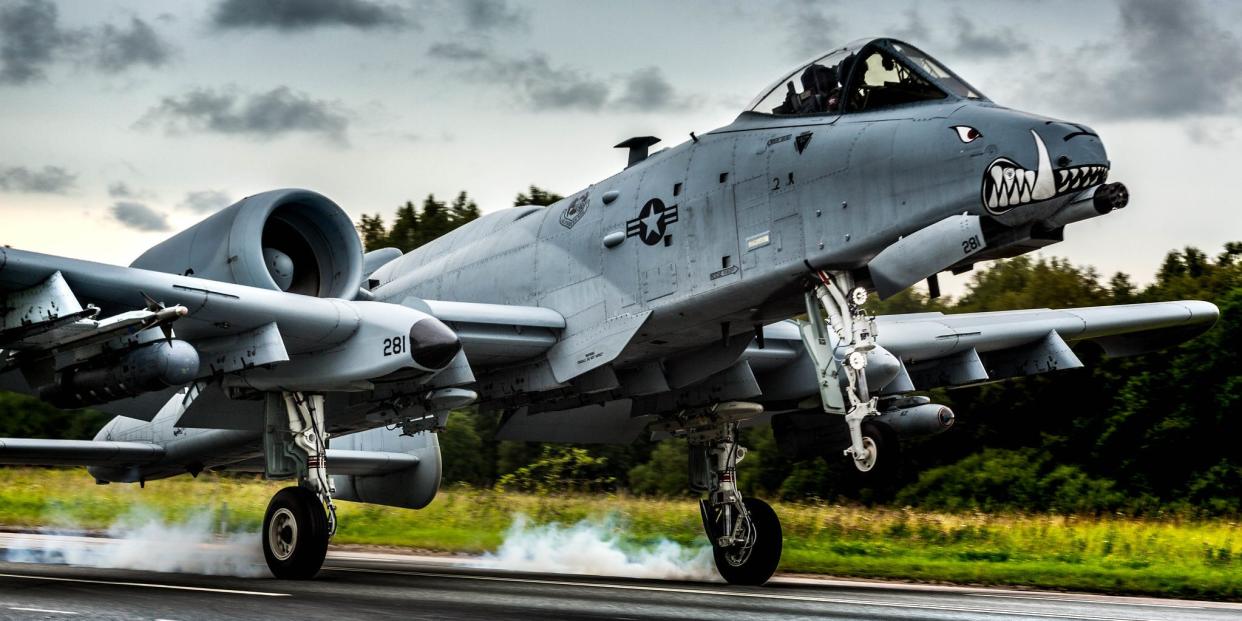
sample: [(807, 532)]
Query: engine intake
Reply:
[(286, 240)]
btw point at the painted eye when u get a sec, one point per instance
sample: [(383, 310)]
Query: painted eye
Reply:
[(967, 134)]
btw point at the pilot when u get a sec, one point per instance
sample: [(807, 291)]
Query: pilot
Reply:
[(820, 89), (843, 70)]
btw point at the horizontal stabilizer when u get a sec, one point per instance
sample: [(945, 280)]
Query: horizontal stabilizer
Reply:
[(32, 452), (342, 461)]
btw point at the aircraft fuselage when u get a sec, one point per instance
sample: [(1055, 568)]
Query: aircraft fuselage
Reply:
[(722, 230)]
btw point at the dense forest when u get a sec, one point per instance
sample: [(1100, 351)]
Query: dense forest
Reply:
[(1148, 435)]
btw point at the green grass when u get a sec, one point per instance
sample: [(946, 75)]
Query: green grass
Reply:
[(1168, 557)]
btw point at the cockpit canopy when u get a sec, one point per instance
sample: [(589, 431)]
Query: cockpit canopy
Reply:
[(869, 74)]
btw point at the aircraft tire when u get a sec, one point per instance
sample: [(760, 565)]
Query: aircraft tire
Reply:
[(765, 555), (295, 534), (886, 462)]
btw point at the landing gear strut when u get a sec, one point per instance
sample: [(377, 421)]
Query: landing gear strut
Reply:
[(839, 347), (744, 532), (299, 520)]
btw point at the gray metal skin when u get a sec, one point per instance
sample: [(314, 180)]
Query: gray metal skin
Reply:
[(862, 182), (586, 319)]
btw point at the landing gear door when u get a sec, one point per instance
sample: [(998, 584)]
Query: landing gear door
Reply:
[(819, 345)]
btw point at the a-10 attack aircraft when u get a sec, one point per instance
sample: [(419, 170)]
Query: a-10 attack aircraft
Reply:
[(657, 301)]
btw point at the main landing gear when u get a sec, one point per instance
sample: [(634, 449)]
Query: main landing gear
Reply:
[(299, 520), (744, 532)]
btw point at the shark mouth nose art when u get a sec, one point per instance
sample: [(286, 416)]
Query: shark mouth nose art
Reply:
[(1007, 185)]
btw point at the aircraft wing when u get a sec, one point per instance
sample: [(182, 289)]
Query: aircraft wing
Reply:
[(956, 350), (917, 352), (215, 309), (60, 314)]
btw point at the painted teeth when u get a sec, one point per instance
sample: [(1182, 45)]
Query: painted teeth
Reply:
[(1080, 177), (1012, 186)]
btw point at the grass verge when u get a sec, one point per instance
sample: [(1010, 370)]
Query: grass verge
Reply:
[(1170, 557)]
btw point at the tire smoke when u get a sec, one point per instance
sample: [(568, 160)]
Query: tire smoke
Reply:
[(596, 547), (143, 540)]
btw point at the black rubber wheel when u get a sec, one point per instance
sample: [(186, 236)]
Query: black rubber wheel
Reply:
[(295, 534), (885, 463), (764, 557)]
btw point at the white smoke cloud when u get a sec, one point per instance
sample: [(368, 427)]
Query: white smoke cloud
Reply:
[(595, 547), (142, 540)]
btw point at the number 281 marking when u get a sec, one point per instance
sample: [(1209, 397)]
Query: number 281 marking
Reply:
[(971, 244), (394, 345)]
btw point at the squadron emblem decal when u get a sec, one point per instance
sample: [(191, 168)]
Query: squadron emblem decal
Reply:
[(576, 209), (651, 222), (802, 140)]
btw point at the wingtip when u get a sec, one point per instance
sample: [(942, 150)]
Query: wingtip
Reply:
[(1201, 310)]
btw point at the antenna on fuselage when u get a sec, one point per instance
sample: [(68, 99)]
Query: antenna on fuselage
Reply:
[(638, 147)]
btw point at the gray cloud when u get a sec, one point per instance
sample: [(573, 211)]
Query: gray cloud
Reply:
[(995, 42), (120, 49), (647, 90), (206, 201), (542, 86), (813, 28), (49, 180), (30, 41), (278, 112), (457, 51), (553, 88), (493, 15), (1175, 62), (295, 15), (914, 30), (139, 217), (120, 189)]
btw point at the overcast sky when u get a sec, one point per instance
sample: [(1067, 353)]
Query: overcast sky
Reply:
[(121, 122)]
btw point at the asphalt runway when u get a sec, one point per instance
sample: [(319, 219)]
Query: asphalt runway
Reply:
[(384, 586)]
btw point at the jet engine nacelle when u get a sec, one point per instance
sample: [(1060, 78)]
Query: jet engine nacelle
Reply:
[(286, 240), (153, 366)]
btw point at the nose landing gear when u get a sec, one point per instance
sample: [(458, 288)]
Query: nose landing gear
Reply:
[(838, 347)]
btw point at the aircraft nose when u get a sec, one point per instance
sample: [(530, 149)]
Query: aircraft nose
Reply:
[(433, 345), (1050, 159)]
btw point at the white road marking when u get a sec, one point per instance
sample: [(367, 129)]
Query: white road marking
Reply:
[(55, 612), (1076, 600), (743, 594), (146, 585)]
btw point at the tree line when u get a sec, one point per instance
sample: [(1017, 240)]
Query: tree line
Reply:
[(414, 226), (1144, 435)]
